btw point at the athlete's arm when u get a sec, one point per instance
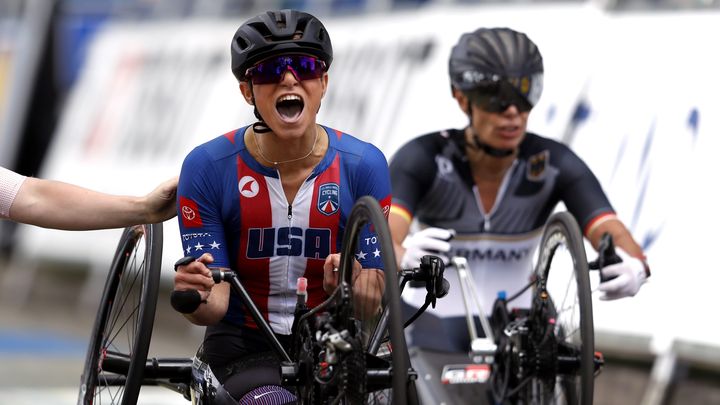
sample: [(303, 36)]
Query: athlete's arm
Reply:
[(621, 235), (584, 197), (202, 231), (54, 204), (412, 171), (399, 229), (368, 285), (214, 297)]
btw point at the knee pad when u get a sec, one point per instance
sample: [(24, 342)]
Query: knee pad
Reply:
[(268, 395)]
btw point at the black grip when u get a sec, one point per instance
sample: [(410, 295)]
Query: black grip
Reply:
[(185, 301), (445, 288), (188, 301), (432, 269), (606, 256)]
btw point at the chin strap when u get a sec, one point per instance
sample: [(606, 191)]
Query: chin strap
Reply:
[(494, 152), (260, 127)]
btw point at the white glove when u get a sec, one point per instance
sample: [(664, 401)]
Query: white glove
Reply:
[(629, 276), (429, 241)]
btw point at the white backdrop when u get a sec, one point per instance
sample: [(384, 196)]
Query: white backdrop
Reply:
[(152, 91)]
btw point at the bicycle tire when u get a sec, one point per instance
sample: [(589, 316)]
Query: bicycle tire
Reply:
[(128, 303), (367, 211), (568, 288)]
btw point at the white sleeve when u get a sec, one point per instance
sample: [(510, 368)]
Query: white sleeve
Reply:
[(10, 183)]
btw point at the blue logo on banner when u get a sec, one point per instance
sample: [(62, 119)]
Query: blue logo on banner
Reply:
[(328, 198)]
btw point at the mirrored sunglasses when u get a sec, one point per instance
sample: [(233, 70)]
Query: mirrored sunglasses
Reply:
[(498, 96), (273, 69)]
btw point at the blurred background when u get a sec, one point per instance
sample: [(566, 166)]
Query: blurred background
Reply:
[(112, 94)]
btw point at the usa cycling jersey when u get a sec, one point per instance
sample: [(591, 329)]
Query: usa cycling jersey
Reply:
[(432, 182), (234, 208)]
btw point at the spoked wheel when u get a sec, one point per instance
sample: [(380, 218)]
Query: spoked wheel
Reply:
[(362, 377), (561, 339), (120, 338)]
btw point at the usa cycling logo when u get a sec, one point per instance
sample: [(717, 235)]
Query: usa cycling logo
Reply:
[(328, 198)]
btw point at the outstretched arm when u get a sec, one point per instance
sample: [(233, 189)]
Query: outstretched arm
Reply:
[(54, 204)]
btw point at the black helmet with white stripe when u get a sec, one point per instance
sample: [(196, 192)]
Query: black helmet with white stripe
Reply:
[(492, 55)]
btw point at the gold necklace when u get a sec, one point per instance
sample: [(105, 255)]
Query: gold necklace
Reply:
[(260, 152)]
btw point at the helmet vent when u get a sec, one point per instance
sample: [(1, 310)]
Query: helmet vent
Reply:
[(241, 42), (301, 25), (261, 28)]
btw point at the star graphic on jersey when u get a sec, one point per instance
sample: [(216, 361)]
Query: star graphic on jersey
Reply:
[(376, 253), (361, 255), (188, 249), (214, 245), (199, 247)]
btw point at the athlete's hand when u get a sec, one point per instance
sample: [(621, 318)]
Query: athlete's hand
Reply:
[(195, 276), (429, 241), (331, 275), (627, 277)]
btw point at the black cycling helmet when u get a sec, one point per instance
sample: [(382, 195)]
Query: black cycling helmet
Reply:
[(490, 55), (278, 32)]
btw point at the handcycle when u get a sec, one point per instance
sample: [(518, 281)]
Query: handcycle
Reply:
[(543, 354), (335, 358)]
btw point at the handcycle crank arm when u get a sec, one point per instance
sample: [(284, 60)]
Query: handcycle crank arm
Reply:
[(377, 338), (470, 293), (254, 312)]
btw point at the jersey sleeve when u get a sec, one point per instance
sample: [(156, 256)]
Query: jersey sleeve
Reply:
[(374, 179), (581, 191), (412, 171), (199, 209)]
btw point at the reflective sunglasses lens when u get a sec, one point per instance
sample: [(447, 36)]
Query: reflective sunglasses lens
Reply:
[(499, 99), (489, 102), (308, 68), (272, 70)]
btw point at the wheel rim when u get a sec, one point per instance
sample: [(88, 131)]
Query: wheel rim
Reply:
[(564, 274), (121, 337)]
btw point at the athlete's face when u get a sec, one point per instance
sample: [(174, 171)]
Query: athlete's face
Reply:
[(289, 107), (502, 130)]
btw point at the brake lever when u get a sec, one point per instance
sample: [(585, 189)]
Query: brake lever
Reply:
[(606, 257), (433, 269)]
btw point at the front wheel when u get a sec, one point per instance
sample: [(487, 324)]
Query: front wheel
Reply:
[(561, 313), (120, 339), (363, 376)]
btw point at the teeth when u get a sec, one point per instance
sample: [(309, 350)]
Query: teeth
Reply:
[(289, 97)]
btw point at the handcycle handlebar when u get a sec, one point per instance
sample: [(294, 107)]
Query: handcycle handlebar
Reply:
[(606, 257), (430, 272), (188, 301)]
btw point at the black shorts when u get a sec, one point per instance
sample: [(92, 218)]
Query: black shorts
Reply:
[(241, 358)]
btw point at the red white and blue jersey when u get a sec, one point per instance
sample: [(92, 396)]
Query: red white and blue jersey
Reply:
[(231, 206)]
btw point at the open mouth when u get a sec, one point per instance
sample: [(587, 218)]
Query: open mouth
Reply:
[(290, 106)]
